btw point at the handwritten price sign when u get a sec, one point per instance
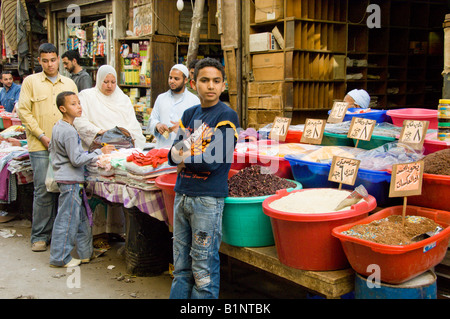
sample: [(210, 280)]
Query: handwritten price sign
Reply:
[(413, 133), (280, 128), (338, 112), (361, 129), (406, 179), (343, 170), (313, 131)]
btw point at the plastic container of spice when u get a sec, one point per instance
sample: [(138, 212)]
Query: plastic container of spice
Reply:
[(244, 224), (398, 263), (417, 114), (304, 241), (435, 192)]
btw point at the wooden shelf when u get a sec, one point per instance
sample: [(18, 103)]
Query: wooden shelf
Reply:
[(321, 34)]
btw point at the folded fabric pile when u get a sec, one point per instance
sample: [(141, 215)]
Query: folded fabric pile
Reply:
[(109, 167), (143, 169), (131, 167)]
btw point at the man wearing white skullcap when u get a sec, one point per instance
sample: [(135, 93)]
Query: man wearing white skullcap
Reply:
[(169, 107), (357, 98)]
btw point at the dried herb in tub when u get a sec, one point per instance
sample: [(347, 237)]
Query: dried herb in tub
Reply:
[(251, 182)]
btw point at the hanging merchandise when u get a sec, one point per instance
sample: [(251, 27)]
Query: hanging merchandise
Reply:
[(102, 34), (124, 50), (76, 42), (101, 49), (82, 50)]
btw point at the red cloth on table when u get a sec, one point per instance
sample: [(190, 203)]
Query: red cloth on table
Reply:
[(154, 157)]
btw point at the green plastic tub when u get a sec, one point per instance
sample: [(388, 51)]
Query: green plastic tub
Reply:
[(2, 126), (375, 141), (332, 139), (244, 223)]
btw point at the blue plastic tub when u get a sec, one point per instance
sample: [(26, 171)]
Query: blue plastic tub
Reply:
[(310, 174), (377, 184), (377, 115), (421, 287), (315, 175)]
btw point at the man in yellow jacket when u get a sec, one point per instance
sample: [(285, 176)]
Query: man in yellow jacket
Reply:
[(38, 113)]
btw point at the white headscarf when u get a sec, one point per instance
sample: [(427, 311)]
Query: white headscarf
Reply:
[(104, 112)]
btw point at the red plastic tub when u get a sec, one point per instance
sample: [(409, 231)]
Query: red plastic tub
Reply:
[(6, 121), (166, 183), (293, 136), (435, 192), (276, 165), (432, 144), (304, 241), (417, 114), (397, 263)]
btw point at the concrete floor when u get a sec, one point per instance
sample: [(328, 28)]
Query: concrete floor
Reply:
[(27, 275)]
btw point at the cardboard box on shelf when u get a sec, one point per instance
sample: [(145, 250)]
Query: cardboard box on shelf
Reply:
[(268, 10), (268, 67), (339, 67), (265, 88), (265, 102), (263, 42)]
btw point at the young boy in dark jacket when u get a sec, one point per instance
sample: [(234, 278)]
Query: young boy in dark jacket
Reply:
[(203, 152)]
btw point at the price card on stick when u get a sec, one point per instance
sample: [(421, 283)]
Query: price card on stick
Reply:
[(413, 133), (338, 112), (361, 129), (280, 128), (313, 131), (406, 180), (343, 170)]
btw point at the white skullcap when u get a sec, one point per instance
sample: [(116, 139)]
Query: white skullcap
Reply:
[(182, 68)]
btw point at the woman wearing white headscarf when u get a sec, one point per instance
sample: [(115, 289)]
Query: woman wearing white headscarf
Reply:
[(106, 106)]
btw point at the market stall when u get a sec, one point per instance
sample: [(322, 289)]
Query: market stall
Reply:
[(302, 246)]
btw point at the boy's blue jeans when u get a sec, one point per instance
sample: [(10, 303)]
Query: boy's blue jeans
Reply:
[(44, 203), (71, 227), (197, 234)]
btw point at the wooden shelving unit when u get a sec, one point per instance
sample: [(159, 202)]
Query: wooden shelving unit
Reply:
[(161, 57), (330, 50)]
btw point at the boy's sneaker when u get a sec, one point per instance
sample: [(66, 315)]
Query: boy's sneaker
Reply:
[(39, 246), (72, 263)]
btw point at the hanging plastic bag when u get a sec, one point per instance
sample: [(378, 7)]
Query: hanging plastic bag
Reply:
[(50, 183)]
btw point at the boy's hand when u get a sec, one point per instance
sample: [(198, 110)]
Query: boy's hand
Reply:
[(108, 148), (178, 156)]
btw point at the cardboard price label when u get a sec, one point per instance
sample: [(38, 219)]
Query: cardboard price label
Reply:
[(413, 133), (361, 129), (406, 179), (338, 112), (344, 170), (280, 128), (313, 131)]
